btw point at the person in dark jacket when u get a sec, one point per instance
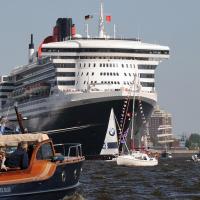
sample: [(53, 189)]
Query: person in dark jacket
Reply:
[(19, 158)]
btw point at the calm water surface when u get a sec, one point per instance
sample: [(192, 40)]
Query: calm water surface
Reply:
[(178, 178)]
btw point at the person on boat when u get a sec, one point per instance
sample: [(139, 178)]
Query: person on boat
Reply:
[(19, 158), (2, 161)]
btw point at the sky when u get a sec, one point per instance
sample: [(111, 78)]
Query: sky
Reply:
[(174, 23)]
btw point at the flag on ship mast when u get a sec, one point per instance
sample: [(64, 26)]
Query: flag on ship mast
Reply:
[(108, 18)]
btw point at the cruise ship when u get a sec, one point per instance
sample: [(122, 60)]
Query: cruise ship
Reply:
[(71, 83)]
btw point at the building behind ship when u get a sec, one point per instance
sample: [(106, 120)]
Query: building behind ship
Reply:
[(160, 128)]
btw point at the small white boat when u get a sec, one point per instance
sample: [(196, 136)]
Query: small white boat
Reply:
[(196, 157), (136, 158)]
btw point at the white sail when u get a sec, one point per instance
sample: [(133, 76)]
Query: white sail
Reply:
[(110, 146)]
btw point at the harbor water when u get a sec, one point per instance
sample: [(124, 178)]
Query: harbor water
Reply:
[(178, 178)]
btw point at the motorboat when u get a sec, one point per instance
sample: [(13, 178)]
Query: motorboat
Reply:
[(196, 157), (136, 158), (51, 174)]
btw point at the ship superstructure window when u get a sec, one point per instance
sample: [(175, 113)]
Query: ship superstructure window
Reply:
[(146, 75), (7, 84), (106, 50), (146, 66), (6, 90), (65, 74), (99, 57), (147, 84), (65, 65), (66, 82), (3, 96)]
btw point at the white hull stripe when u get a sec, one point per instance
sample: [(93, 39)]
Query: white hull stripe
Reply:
[(42, 191)]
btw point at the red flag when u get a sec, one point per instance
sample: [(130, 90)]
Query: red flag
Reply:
[(108, 18)]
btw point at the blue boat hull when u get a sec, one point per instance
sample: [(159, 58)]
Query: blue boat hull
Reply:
[(64, 182)]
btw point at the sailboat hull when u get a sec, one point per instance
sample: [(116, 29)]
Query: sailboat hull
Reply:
[(129, 160)]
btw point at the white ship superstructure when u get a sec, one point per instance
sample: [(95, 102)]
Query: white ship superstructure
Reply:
[(103, 64), (74, 82)]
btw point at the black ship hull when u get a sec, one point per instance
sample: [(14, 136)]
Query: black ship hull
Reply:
[(86, 124)]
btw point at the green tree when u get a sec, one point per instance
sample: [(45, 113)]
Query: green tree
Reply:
[(194, 141)]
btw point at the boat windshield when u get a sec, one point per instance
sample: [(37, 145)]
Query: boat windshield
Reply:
[(45, 152)]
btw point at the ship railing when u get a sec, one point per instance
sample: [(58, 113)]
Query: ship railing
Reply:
[(97, 38), (69, 149), (98, 89)]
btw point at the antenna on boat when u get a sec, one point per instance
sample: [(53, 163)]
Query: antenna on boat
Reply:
[(101, 22)]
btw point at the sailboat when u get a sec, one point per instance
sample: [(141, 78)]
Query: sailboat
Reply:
[(135, 158), (110, 148), (165, 154)]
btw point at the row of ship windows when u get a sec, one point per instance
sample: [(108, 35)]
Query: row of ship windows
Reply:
[(72, 74), (6, 84), (38, 72), (3, 96), (147, 66), (65, 65), (65, 74), (6, 90), (106, 65), (101, 57), (46, 79), (72, 82), (73, 65), (144, 84), (117, 74), (35, 75), (106, 50)]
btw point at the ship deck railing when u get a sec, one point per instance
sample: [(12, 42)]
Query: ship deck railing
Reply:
[(106, 38)]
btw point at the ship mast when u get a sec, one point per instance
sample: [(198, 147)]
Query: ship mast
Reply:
[(101, 22)]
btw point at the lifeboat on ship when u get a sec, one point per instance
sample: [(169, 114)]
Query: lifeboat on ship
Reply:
[(50, 174)]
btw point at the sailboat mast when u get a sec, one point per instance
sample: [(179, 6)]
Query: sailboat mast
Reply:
[(133, 114)]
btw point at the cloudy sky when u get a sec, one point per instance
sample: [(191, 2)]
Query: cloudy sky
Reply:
[(175, 23)]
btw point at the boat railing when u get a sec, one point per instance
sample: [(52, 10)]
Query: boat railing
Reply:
[(69, 149)]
